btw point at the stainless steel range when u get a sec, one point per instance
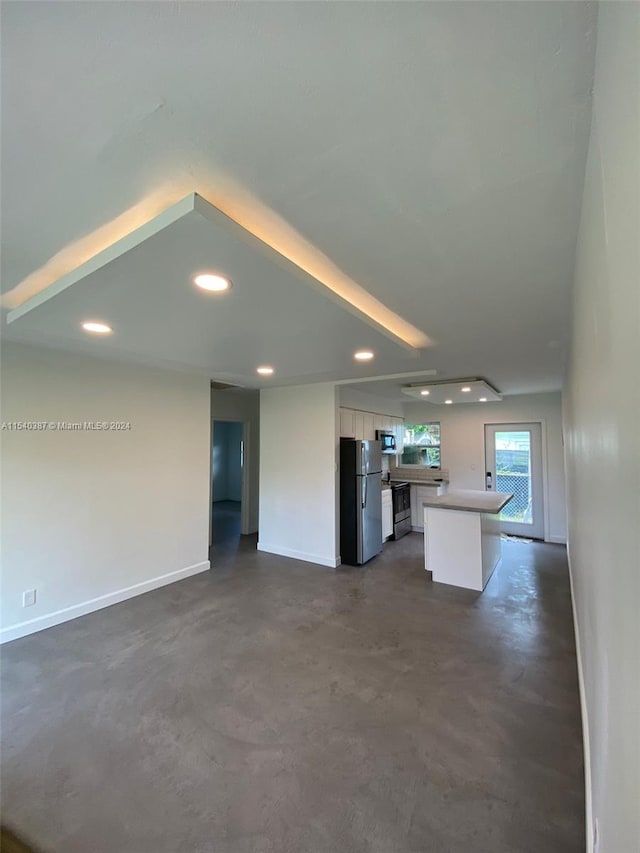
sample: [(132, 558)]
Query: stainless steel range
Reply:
[(401, 493)]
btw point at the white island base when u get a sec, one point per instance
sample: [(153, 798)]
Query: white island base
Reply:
[(462, 537)]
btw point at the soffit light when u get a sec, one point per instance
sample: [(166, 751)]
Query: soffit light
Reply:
[(363, 355), (264, 370)]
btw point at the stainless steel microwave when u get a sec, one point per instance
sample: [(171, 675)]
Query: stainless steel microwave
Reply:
[(387, 441)]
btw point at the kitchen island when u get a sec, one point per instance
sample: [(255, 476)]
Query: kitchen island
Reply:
[(462, 536)]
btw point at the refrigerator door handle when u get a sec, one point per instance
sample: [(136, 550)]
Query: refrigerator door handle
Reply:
[(364, 492)]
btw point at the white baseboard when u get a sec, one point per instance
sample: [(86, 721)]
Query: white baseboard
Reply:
[(588, 795), (318, 559), (556, 540), (22, 629)]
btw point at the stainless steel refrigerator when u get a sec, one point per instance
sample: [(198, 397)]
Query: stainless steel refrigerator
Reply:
[(360, 500)]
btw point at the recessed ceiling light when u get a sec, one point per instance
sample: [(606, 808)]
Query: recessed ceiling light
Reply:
[(466, 389), (448, 402), (265, 370), (425, 393), (212, 282), (97, 328), (363, 355), (482, 400)]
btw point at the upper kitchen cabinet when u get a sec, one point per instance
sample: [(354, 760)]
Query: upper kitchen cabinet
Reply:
[(347, 423), (363, 425), (358, 419), (368, 426), (398, 431), (364, 428)]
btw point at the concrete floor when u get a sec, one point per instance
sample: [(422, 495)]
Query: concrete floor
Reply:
[(225, 531), (272, 706)]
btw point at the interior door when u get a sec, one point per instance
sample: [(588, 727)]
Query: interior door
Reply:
[(513, 458)]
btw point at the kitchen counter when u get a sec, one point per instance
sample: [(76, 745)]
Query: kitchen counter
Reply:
[(462, 544), (438, 482), (471, 500)]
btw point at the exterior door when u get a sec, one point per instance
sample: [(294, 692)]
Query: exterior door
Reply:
[(513, 458)]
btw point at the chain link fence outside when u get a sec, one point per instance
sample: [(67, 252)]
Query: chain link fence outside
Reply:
[(519, 507)]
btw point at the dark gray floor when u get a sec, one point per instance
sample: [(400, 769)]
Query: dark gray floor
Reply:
[(225, 531), (272, 706)]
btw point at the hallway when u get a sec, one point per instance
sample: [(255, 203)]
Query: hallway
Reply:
[(271, 705), (225, 527)]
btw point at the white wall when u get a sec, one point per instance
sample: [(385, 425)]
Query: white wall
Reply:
[(244, 406), (462, 436), (602, 418), (89, 518), (298, 475), (352, 398)]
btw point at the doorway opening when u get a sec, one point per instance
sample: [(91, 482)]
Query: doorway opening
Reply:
[(513, 455), (227, 483)]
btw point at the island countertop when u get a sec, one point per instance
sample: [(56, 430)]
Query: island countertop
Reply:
[(470, 500)]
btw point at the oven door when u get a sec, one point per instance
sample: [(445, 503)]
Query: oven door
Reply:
[(401, 511), (401, 528)]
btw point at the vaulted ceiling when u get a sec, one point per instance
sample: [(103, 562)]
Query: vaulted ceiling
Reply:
[(420, 159)]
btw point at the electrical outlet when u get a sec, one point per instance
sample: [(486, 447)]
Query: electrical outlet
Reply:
[(28, 597)]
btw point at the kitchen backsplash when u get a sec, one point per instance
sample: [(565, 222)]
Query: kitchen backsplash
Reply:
[(398, 472)]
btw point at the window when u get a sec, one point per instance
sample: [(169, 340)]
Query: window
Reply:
[(421, 445)]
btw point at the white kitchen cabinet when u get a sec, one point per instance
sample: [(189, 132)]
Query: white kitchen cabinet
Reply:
[(368, 427), (398, 431), (358, 420), (347, 423), (387, 514), (363, 425), (419, 494), (416, 513)]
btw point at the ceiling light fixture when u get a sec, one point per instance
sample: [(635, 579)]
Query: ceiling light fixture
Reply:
[(453, 391), (264, 370), (96, 328), (212, 282), (363, 355)]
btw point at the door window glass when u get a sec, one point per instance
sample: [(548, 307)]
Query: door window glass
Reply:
[(513, 474)]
